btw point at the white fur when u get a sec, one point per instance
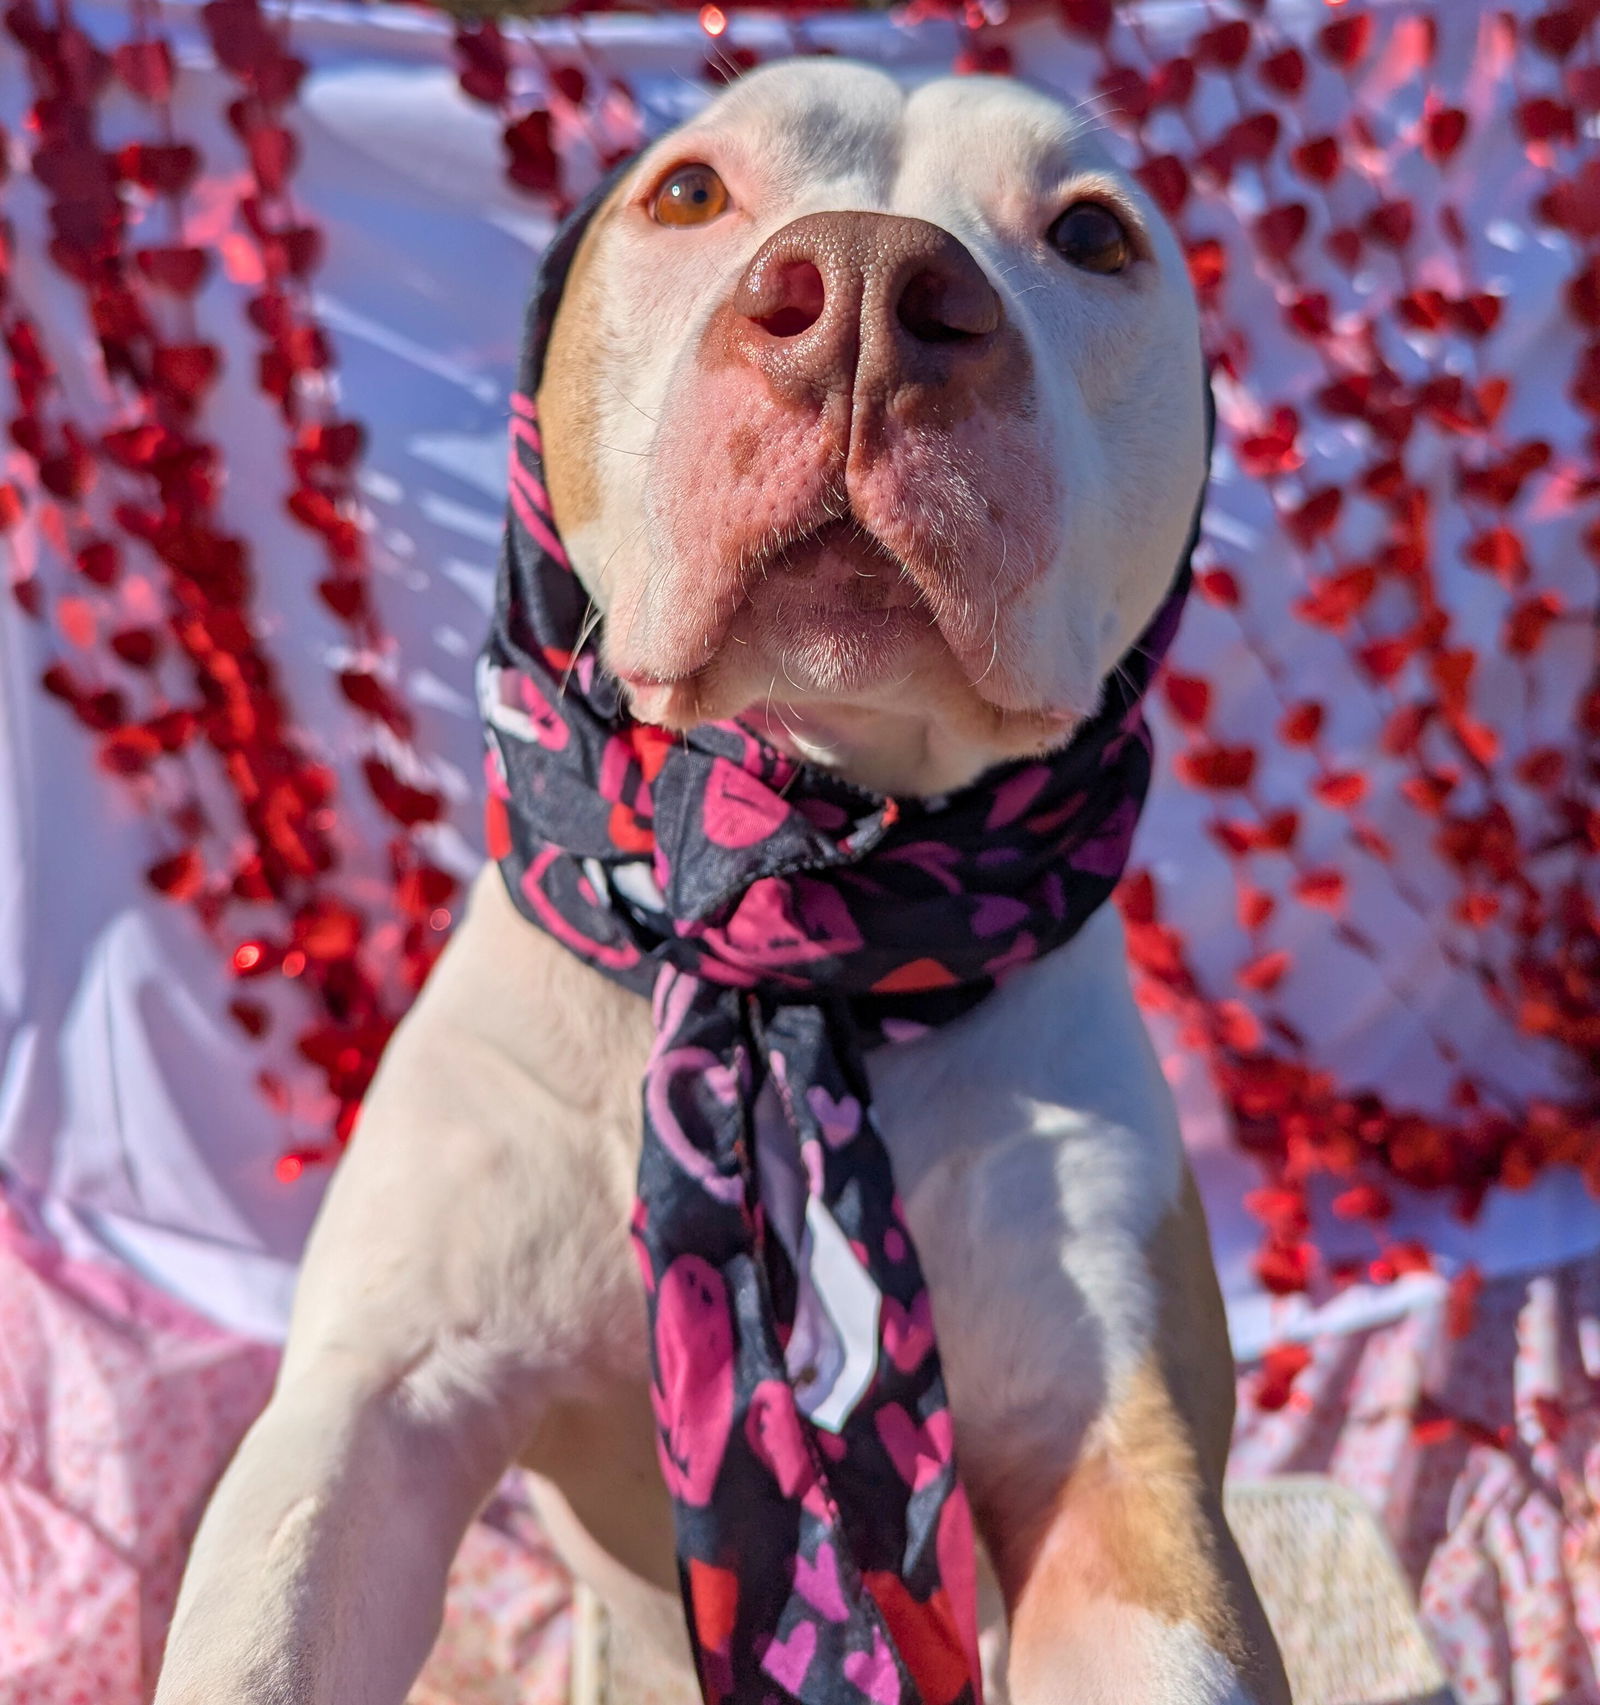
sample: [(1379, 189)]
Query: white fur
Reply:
[(469, 1298)]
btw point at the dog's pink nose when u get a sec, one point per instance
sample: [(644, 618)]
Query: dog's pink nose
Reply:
[(864, 302)]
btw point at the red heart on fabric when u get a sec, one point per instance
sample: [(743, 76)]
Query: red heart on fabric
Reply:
[(179, 877), (1224, 47), (1443, 132), (1208, 266), (128, 751), (1316, 516), (1557, 32), (986, 59), (1317, 159), (534, 163), (1255, 137), (1275, 448), (1341, 790), (276, 77), (1542, 119), (164, 168), (297, 249), (238, 33), (1280, 229), (145, 68), (173, 730), (1391, 223), (406, 804), (1167, 180), (1583, 294), (1311, 316), (269, 313), (335, 443), (273, 152), (179, 270), (484, 84), (1217, 768), (1284, 71), (1574, 203), (1255, 907), (1477, 315), (250, 1016), (1424, 309), (1126, 91), (137, 647), (1087, 17), (1583, 86), (1172, 84), (1346, 40), (1189, 697), (1219, 586), (326, 930), (345, 595), (98, 562), (184, 370), (72, 171)]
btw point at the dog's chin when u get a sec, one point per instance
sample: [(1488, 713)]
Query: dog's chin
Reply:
[(878, 699), (832, 649)]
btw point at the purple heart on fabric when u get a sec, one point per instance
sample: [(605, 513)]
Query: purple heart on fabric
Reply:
[(787, 1661), (838, 1119), (818, 1583)]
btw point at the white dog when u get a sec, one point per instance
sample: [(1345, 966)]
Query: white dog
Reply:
[(944, 318)]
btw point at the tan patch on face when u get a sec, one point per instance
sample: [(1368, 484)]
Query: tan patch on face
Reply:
[(571, 386)]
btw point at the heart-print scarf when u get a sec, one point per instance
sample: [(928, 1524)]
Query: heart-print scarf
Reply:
[(783, 922)]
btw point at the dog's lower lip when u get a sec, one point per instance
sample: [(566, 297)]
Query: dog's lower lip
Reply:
[(642, 678)]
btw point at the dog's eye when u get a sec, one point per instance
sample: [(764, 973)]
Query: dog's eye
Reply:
[(693, 195), (1092, 237)]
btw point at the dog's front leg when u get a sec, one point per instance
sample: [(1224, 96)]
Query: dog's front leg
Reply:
[(318, 1573), (469, 1272), (1083, 1334), (1095, 1457), (1124, 1581)]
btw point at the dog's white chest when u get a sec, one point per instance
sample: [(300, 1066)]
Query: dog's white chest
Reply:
[(1036, 1148)]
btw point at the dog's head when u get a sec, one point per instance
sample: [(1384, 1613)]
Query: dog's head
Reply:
[(875, 419)]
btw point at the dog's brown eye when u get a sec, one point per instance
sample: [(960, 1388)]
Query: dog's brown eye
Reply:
[(1092, 237), (693, 195)]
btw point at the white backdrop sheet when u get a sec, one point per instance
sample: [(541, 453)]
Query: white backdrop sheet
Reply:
[(130, 1121)]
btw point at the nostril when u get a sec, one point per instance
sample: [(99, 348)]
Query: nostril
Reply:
[(800, 301), (937, 309)]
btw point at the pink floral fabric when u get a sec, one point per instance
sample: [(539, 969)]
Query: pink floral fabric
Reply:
[(119, 1409), (1474, 1432)]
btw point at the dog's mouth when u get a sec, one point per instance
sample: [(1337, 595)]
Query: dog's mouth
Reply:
[(827, 614), (826, 610), (833, 611)]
